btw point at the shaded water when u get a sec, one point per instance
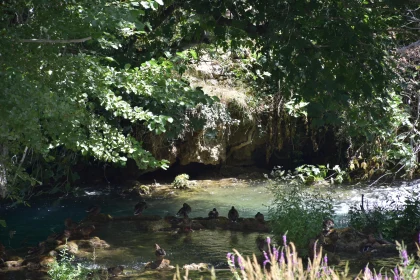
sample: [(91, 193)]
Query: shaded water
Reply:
[(34, 223), (133, 248)]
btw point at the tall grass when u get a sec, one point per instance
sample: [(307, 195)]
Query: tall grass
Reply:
[(283, 263)]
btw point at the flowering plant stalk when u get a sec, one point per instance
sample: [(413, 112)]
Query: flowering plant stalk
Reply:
[(280, 263)]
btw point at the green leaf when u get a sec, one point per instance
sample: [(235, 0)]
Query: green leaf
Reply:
[(110, 59), (145, 4), (194, 54)]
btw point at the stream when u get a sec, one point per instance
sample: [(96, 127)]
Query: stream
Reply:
[(133, 248)]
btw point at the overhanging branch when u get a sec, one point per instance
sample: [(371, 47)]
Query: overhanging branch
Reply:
[(48, 41), (412, 45)]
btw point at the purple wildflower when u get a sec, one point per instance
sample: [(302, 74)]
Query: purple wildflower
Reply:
[(324, 265), (281, 257), (368, 273), (231, 259), (276, 254), (405, 257), (284, 240), (396, 275), (267, 260), (241, 266), (268, 241), (266, 256), (419, 238)]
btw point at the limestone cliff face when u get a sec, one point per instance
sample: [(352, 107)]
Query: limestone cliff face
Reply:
[(239, 144), (234, 146), (200, 148)]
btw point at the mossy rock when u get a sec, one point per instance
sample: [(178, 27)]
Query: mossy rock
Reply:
[(195, 225), (239, 226), (251, 224), (196, 266), (210, 223), (138, 218), (160, 265), (46, 261), (98, 219), (15, 258), (13, 264), (71, 247), (92, 243)]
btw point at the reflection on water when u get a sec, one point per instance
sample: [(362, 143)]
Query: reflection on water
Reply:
[(134, 248)]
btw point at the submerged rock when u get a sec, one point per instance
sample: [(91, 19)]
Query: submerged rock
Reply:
[(162, 264), (99, 218), (349, 241), (196, 266), (242, 224), (115, 271), (92, 243), (71, 247), (40, 262), (46, 261), (10, 264)]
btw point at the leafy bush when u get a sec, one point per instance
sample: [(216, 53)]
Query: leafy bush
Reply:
[(299, 212), (65, 270), (308, 174), (181, 181), (392, 219)]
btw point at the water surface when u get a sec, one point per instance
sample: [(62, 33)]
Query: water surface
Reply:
[(133, 247)]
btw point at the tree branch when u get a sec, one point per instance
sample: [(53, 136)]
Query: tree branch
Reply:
[(55, 41), (412, 45)]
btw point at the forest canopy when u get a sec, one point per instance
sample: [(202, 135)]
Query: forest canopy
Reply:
[(90, 79)]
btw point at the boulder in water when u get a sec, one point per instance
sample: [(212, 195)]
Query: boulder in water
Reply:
[(162, 264), (196, 266), (71, 247)]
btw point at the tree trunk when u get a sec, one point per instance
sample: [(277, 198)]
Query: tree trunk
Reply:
[(3, 178)]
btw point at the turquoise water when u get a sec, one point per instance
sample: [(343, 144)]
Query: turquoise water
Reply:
[(133, 247)]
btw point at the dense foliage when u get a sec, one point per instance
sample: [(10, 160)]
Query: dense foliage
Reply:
[(394, 218), (61, 98), (90, 80)]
